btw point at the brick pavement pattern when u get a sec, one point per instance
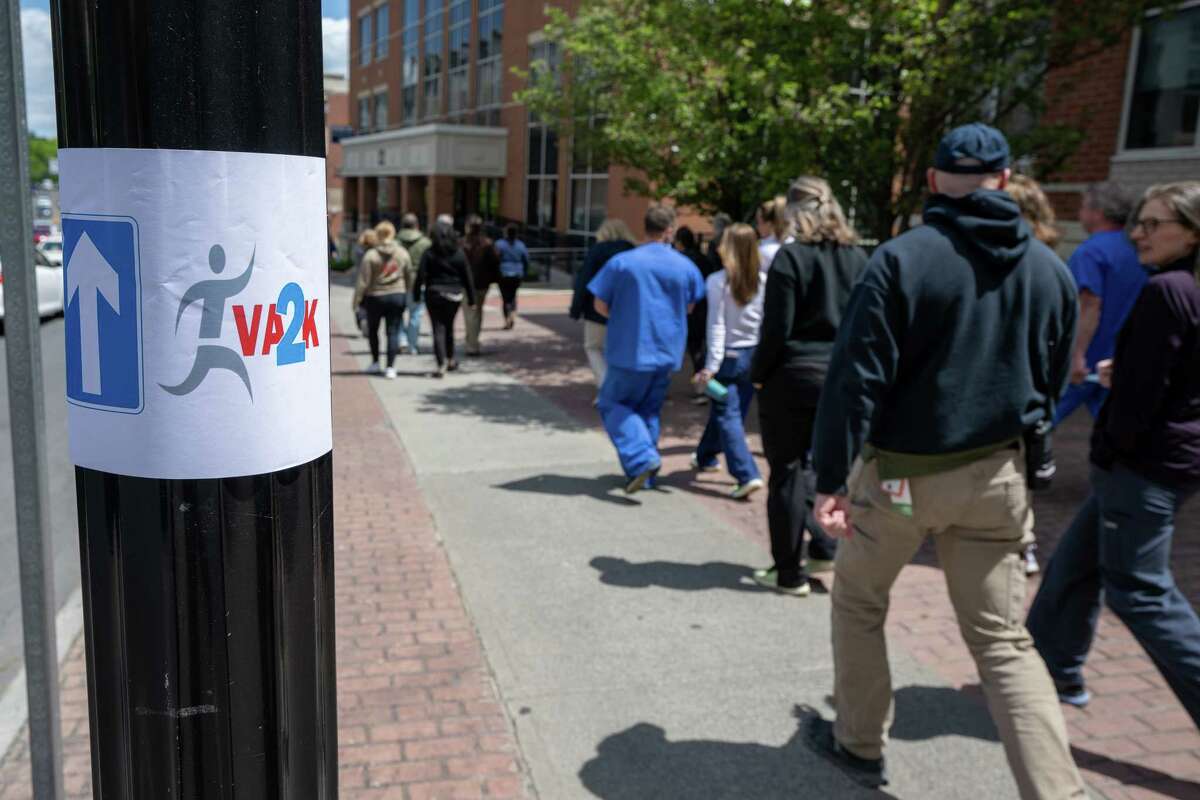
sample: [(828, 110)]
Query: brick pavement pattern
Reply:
[(418, 712), (1134, 740)]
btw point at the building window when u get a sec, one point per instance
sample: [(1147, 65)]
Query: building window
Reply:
[(489, 73), (382, 31), (381, 110), (364, 114), (489, 198), (412, 59), (434, 11), (460, 54), (589, 191), (364, 39), (1164, 106), (542, 183)]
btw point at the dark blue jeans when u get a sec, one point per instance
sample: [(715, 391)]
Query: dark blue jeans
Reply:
[(1119, 545), (726, 431)]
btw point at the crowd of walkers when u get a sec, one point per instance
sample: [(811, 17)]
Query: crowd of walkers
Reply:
[(912, 394)]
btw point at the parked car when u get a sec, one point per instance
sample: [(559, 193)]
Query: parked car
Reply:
[(52, 248), (42, 230), (49, 287)]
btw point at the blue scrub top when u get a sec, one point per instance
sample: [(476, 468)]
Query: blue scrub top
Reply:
[(648, 290), (1108, 267)]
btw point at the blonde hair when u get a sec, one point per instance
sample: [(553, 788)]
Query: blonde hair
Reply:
[(368, 239), (1183, 198), (739, 254), (774, 214), (816, 214), (386, 231), (1035, 208), (614, 230)]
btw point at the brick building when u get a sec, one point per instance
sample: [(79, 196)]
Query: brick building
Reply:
[(437, 129), (337, 122), (1139, 103)]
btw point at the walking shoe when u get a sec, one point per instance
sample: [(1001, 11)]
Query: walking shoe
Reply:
[(438, 373), (374, 369), (869, 772), (815, 565), (1073, 694), (696, 465), (1031, 562), (452, 366), (770, 580), (763, 572), (390, 373), (744, 490), (639, 481)]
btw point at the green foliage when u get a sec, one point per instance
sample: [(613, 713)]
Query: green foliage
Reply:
[(719, 103), (41, 152)]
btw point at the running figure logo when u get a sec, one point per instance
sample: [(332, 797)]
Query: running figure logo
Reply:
[(212, 294)]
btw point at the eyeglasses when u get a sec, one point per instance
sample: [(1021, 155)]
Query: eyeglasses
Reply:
[(1150, 224)]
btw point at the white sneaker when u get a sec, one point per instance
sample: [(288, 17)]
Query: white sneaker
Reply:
[(374, 369), (1031, 562), (390, 374), (744, 490)]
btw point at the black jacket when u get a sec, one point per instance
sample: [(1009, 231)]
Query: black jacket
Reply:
[(808, 287), (1151, 420), (958, 336), (597, 256), (447, 274)]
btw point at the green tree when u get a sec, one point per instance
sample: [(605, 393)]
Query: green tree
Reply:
[(41, 152), (718, 104)]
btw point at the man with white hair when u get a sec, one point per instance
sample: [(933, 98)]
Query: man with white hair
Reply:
[(955, 343)]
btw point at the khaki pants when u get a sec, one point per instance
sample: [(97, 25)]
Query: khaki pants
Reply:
[(473, 320), (593, 347), (977, 515)]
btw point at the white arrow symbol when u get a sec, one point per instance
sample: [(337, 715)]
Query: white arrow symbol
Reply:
[(89, 274)]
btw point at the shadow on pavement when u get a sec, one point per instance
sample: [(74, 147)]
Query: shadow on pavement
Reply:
[(499, 403), (641, 762), (673, 575), (1154, 783), (601, 488), (927, 712)]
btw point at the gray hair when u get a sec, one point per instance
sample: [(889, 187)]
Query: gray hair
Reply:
[(445, 219), (1183, 199), (1110, 199), (410, 221)]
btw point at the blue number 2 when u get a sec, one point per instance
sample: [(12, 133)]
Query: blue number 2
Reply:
[(289, 350)]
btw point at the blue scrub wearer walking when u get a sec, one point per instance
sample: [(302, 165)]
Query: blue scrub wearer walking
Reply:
[(645, 293)]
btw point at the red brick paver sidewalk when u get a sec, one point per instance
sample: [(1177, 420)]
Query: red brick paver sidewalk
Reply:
[(1133, 741), (418, 712)]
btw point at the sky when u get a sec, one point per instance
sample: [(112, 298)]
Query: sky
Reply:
[(39, 60)]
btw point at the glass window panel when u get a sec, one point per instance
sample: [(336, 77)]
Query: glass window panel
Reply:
[(364, 114), (531, 202), (535, 151), (1165, 105), (382, 31), (548, 207), (412, 12), (598, 203), (579, 204), (364, 39), (381, 110), (550, 164), (410, 103)]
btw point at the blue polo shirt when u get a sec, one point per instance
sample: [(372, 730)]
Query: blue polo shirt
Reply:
[(648, 290), (1108, 267)]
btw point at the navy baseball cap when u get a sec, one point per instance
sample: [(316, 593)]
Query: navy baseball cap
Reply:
[(976, 141)]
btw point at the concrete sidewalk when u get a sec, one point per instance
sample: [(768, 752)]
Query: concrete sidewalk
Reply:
[(626, 640)]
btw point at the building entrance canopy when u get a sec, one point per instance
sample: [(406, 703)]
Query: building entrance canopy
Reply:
[(467, 151)]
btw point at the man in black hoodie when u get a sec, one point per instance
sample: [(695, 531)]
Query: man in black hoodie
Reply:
[(956, 340)]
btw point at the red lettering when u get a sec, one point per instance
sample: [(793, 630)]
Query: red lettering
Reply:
[(247, 336), (310, 324), (274, 332)]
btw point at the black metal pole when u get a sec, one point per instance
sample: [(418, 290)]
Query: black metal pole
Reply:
[(208, 601)]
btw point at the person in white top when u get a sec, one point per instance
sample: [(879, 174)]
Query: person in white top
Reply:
[(735, 303), (774, 229)]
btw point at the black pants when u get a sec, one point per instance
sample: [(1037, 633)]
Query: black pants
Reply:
[(442, 310), (390, 309), (787, 408), (697, 335), (508, 293)]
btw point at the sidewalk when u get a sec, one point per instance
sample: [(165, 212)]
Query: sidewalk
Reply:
[(511, 625)]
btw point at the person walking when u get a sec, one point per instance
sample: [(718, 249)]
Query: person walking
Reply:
[(1110, 277), (774, 228), (382, 291), (735, 302), (685, 242), (416, 244), (612, 237), (1145, 463), (485, 270), (443, 282), (514, 262), (956, 341), (808, 287), (646, 294)]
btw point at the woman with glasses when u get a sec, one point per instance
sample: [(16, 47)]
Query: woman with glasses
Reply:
[(1145, 462)]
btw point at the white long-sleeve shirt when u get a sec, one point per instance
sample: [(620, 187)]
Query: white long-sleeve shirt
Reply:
[(731, 326), (768, 247)]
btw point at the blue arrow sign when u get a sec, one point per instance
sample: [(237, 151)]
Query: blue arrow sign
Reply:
[(103, 312)]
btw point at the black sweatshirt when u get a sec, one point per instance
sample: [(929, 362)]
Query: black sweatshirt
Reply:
[(808, 287), (957, 337), (446, 273), (597, 256), (1151, 420)]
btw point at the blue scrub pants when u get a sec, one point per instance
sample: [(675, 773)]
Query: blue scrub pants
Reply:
[(1119, 546), (1077, 394), (630, 403), (725, 431)]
